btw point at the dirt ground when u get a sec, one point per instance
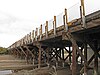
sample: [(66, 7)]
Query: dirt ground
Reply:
[(7, 57), (43, 71), (8, 60)]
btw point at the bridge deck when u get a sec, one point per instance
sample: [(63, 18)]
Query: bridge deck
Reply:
[(92, 27)]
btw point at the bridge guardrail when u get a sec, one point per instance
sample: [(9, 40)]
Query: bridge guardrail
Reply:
[(73, 13)]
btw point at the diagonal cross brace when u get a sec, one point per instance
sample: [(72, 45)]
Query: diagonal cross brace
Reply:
[(94, 50), (18, 51), (70, 37), (23, 51), (29, 51)]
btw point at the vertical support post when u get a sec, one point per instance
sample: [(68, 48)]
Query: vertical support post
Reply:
[(54, 25), (60, 52), (81, 57), (96, 58), (66, 20), (56, 58), (40, 31), (69, 55), (74, 60), (82, 11), (39, 57), (47, 51), (95, 63), (46, 29), (85, 54), (63, 57)]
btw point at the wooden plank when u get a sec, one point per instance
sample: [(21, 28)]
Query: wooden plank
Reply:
[(74, 68)]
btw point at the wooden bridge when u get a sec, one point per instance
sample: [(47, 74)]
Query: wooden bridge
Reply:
[(65, 44)]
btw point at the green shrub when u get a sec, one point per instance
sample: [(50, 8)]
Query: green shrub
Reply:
[(3, 50)]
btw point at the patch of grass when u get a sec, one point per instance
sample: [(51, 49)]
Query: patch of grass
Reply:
[(3, 50)]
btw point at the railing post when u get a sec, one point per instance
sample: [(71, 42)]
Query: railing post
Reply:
[(40, 32), (82, 12), (36, 33), (54, 25), (46, 29), (66, 20), (22, 41), (32, 35), (27, 38)]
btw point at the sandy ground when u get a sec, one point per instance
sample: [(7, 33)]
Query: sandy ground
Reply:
[(44, 71), (8, 60), (7, 57)]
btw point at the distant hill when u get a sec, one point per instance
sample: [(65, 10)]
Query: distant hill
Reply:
[(3, 50)]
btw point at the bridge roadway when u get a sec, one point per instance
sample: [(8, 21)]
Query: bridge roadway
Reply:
[(64, 47)]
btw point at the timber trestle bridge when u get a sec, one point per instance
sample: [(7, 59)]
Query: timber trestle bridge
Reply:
[(61, 42)]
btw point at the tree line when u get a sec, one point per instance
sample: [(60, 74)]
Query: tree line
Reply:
[(3, 50)]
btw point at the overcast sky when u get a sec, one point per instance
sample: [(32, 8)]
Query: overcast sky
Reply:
[(19, 17)]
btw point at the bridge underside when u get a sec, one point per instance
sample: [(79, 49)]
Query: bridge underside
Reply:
[(66, 48)]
